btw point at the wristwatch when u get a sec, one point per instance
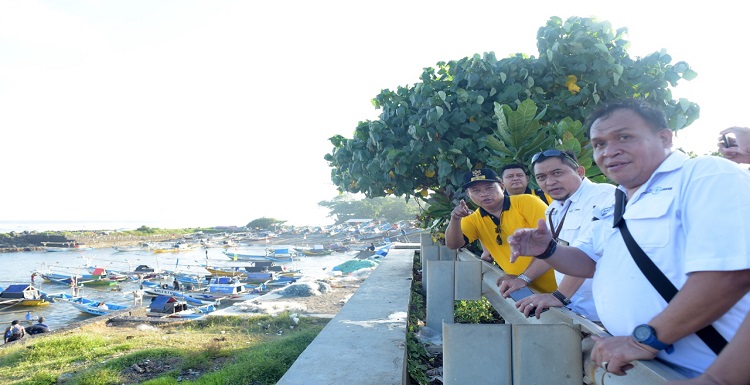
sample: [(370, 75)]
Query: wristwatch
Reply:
[(645, 334)]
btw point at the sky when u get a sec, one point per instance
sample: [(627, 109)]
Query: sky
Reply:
[(215, 113)]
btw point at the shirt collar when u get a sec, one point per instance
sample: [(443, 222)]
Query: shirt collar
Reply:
[(506, 207), (573, 198), (674, 161)]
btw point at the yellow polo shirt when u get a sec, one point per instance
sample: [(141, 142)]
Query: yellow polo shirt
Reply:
[(519, 211)]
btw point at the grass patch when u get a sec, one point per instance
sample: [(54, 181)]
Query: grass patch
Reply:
[(218, 350)]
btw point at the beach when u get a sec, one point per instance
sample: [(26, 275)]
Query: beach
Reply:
[(336, 288)]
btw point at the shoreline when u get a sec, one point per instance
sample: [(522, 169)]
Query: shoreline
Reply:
[(26, 242)]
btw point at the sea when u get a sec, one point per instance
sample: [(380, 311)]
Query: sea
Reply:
[(18, 269), (6, 226)]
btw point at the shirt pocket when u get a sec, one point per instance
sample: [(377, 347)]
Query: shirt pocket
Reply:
[(649, 219)]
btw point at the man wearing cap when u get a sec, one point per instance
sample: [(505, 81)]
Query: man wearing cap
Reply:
[(515, 182), (498, 216), (575, 198)]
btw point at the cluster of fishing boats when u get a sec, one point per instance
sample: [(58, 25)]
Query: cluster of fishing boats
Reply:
[(172, 294)]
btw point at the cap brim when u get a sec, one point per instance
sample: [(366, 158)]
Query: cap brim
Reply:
[(465, 185)]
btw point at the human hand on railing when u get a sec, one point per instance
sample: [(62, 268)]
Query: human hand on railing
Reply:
[(486, 256), (507, 284), (615, 354), (537, 304), (529, 241)]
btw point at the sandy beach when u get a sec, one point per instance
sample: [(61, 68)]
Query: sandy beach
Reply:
[(321, 298)]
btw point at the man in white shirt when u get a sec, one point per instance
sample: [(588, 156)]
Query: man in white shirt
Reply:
[(572, 210), (690, 217)]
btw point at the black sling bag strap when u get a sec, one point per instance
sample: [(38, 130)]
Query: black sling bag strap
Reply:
[(661, 283)]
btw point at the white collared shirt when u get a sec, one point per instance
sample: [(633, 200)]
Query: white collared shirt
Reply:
[(691, 215), (580, 213)]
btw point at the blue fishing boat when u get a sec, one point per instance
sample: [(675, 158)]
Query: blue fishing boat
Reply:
[(94, 307), (226, 286), (193, 298), (165, 306), (277, 255)]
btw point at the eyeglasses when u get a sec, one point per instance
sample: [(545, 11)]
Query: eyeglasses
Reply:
[(499, 237), (551, 153)]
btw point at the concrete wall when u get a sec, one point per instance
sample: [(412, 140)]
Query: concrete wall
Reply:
[(365, 343)]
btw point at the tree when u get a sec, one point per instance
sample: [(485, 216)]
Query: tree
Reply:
[(480, 111), (264, 223), (391, 209)]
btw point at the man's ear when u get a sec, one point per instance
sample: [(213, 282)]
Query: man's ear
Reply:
[(666, 137), (581, 172)]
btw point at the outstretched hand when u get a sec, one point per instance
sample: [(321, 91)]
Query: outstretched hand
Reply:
[(529, 241), (461, 210)]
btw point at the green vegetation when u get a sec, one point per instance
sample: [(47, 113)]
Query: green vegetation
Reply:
[(417, 360), (484, 111), (264, 223), (390, 209), (218, 350), (476, 312)]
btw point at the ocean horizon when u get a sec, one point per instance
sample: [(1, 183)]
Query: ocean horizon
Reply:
[(57, 225)]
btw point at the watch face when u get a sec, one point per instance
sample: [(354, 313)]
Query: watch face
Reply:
[(642, 333)]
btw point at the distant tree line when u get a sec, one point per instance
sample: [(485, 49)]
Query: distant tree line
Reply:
[(390, 209)]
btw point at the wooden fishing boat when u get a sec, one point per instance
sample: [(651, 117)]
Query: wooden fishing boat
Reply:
[(230, 287), (65, 246), (270, 255), (94, 307), (165, 306), (194, 298), (317, 251), (130, 248), (23, 295)]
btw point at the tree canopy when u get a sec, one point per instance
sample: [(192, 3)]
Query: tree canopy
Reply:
[(390, 209), (481, 111), (264, 223)]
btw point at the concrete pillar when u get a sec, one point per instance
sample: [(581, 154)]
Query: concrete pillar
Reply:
[(477, 354), (547, 354), (468, 280), (425, 239), (429, 253), (440, 294), (447, 254)]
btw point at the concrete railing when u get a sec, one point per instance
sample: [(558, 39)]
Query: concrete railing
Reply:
[(554, 349)]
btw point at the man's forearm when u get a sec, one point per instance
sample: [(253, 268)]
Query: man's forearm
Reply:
[(536, 268), (454, 236), (569, 285), (704, 298), (572, 261)]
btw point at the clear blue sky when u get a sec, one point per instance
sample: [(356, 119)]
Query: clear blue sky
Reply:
[(219, 112)]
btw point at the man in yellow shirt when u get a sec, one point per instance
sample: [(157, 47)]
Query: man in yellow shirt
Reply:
[(497, 218)]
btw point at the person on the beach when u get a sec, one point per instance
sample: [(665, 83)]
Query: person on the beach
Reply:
[(14, 332), (38, 328)]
